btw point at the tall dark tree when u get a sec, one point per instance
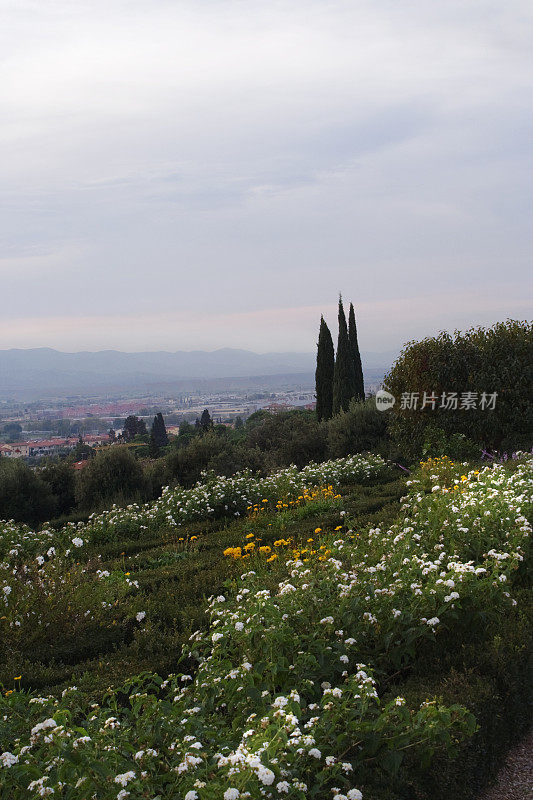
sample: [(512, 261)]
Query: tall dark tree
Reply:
[(159, 431), (354, 347), (153, 447), (344, 372), (205, 423), (325, 366)]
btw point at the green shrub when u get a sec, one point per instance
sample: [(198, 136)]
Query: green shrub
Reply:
[(497, 359), (113, 476), (24, 495), (361, 428)]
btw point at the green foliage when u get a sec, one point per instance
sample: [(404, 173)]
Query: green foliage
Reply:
[(12, 429), (382, 651), (159, 431), (288, 438), (361, 428), (497, 359), (325, 367), (344, 379), (24, 495), (354, 346), (438, 443), (133, 426), (114, 475), (60, 478), (205, 423)]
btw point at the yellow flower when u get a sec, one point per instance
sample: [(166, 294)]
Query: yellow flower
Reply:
[(318, 530), (126, 573), (309, 540), (338, 528), (265, 549), (272, 557), (249, 536), (193, 538)]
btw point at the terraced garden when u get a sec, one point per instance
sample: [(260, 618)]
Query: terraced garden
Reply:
[(354, 644)]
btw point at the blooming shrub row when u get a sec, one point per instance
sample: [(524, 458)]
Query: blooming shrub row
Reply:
[(280, 696), (212, 497)]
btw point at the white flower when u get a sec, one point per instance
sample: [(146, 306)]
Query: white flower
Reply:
[(231, 794), (192, 795), (283, 787), (6, 590), (124, 778), (315, 753), (239, 626), (265, 775), (354, 794), (122, 794), (140, 615), (41, 726), (8, 759), (433, 621), (216, 637), (77, 542)]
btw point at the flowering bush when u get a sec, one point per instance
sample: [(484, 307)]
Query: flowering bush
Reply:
[(215, 496), (280, 695)]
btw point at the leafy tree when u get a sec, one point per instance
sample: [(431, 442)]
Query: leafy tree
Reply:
[(159, 431), (481, 361), (82, 451), (24, 496), (60, 478), (12, 429), (354, 346), (186, 433), (344, 388), (239, 424), (325, 367), (113, 476), (133, 426)]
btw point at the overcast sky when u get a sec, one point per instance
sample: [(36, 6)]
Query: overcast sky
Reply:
[(208, 173)]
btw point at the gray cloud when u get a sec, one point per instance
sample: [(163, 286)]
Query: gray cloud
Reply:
[(243, 157)]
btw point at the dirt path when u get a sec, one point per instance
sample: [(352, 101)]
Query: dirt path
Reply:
[(515, 779)]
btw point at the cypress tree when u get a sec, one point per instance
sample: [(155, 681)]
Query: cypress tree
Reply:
[(205, 423), (354, 347), (325, 365), (159, 431), (344, 372), (153, 447)]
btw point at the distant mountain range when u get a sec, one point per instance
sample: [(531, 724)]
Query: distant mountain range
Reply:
[(46, 371)]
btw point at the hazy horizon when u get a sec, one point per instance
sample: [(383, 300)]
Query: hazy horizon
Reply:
[(181, 176)]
